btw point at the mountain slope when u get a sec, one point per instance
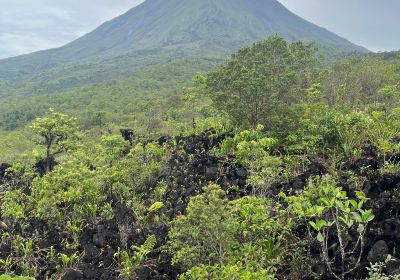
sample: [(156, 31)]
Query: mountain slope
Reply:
[(160, 23), (162, 29)]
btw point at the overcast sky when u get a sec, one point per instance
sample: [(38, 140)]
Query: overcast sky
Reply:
[(31, 25)]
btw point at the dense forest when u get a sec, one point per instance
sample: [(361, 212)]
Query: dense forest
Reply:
[(276, 163)]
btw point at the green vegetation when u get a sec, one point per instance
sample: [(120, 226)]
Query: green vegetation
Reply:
[(129, 264), (260, 80), (271, 166), (56, 132), (145, 36), (324, 205), (6, 277), (246, 233), (376, 272)]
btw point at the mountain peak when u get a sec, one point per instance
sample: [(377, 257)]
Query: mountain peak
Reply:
[(228, 24)]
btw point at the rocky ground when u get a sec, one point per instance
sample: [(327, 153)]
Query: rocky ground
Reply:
[(188, 173)]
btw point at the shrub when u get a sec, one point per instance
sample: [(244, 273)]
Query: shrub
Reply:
[(71, 190), (226, 272), (252, 148), (329, 210), (376, 271), (204, 234), (250, 231)]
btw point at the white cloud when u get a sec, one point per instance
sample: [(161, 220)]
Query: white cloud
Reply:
[(14, 44), (27, 26), (370, 23)]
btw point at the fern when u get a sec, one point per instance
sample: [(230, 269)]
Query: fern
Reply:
[(147, 246), (129, 264), (142, 251), (150, 243)]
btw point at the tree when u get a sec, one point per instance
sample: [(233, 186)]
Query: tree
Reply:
[(55, 132), (261, 81)]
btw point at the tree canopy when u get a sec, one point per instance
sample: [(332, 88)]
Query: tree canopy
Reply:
[(262, 81)]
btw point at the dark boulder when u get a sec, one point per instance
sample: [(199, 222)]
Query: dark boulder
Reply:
[(364, 166), (298, 183), (45, 165), (107, 233), (378, 252), (3, 168), (128, 135), (370, 150), (90, 271), (145, 273), (71, 274)]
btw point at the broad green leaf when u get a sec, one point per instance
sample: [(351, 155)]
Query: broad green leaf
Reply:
[(314, 225), (321, 224)]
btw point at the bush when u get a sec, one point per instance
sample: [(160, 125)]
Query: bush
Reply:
[(228, 272), (327, 208), (205, 233), (376, 271), (250, 231), (253, 149)]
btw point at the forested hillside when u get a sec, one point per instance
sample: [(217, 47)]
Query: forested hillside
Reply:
[(272, 164), (156, 33), (151, 101)]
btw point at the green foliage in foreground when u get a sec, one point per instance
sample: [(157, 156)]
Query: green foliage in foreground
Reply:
[(130, 263), (376, 271), (226, 272), (325, 206), (246, 227), (6, 277)]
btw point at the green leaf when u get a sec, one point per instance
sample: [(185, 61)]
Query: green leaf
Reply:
[(325, 201), (314, 225), (321, 224), (320, 237), (360, 195), (357, 217), (339, 204), (354, 203), (155, 206), (367, 216)]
